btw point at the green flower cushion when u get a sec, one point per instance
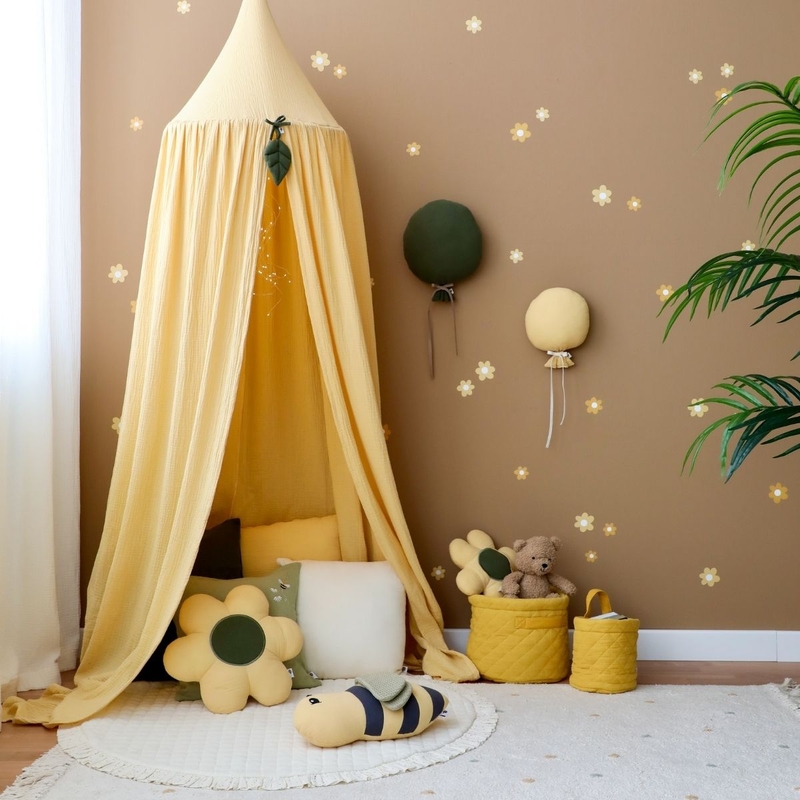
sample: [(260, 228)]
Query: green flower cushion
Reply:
[(281, 588)]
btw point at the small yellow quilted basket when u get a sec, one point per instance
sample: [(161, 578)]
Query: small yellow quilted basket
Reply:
[(519, 641), (604, 650)]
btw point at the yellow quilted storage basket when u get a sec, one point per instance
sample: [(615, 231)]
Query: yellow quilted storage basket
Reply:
[(604, 650), (519, 641)]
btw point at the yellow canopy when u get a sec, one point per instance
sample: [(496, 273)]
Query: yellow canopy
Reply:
[(270, 415)]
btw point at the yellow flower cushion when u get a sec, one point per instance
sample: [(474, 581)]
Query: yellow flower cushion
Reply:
[(234, 649), (315, 538), (483, 566)]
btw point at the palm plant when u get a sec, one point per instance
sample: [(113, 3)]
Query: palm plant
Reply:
[(764, 410)]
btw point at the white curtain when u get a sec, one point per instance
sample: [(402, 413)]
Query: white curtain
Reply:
[(39, 340)]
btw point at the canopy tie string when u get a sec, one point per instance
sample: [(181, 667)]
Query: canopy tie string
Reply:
[(277, 125), (444, 291), (558, 362)]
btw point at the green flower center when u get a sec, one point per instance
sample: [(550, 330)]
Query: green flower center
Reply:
[(238, 640)]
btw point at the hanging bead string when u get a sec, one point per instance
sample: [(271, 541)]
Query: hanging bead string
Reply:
[(270, 273)]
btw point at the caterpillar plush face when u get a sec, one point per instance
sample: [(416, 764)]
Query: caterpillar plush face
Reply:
[(339, 718)]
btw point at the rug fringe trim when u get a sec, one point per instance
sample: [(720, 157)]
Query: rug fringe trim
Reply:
[(35, 781), (73, 742), (790, 691)]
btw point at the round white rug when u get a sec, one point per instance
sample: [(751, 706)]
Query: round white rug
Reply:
[(146, 735)]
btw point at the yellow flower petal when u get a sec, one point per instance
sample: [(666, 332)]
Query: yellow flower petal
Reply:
[(189, 657), (520, 132), (268, 679), (249, 600), (225, 688), (663, 292), (584, 522), (778, 493), (474, 25), (709, 577), (200, 613), (284, 638)]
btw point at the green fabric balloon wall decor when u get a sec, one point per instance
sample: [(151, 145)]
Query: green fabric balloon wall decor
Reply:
[(442, 245)]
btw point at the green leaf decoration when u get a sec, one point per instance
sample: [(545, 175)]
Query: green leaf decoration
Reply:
[(278, 158)]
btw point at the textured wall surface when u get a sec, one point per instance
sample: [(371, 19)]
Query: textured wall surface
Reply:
[(605, 92)]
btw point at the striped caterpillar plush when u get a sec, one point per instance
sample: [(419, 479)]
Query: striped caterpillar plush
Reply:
[(339, 718)]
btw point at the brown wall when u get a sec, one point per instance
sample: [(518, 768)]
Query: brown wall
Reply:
[(614, 77)]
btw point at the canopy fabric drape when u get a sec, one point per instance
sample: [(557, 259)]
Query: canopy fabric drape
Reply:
[(185, 449), (183, 372), (275, 469), (330, 238)]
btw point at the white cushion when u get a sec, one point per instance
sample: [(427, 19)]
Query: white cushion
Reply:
[(353, 617)]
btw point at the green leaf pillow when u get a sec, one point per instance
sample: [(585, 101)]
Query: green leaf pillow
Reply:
[(281, 588)]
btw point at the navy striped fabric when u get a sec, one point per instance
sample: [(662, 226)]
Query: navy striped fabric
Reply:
[(438, 702), (410, 716), (372, 709)]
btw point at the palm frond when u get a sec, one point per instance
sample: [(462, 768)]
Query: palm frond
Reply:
[(765, 411), (761, 410), (734, 276), (776, 129)]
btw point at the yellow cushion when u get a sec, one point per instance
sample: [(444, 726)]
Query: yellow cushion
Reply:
[(313, 539)]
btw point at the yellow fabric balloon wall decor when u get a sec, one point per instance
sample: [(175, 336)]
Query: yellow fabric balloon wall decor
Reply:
[(557, 321)]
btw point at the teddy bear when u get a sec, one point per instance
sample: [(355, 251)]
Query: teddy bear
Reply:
[(482, 566), (533, 575)]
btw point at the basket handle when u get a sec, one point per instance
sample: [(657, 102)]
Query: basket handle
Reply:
[(605, 601)]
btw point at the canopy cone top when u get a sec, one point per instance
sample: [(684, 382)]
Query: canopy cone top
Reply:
[(255, 76)]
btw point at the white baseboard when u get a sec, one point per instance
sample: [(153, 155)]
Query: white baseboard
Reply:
[(456, 638), (788, 646), (671, 645)]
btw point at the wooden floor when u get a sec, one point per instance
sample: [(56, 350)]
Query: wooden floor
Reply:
[(20, 745)]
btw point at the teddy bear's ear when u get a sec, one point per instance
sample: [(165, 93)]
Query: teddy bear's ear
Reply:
[(556, 542), (519, 544)]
